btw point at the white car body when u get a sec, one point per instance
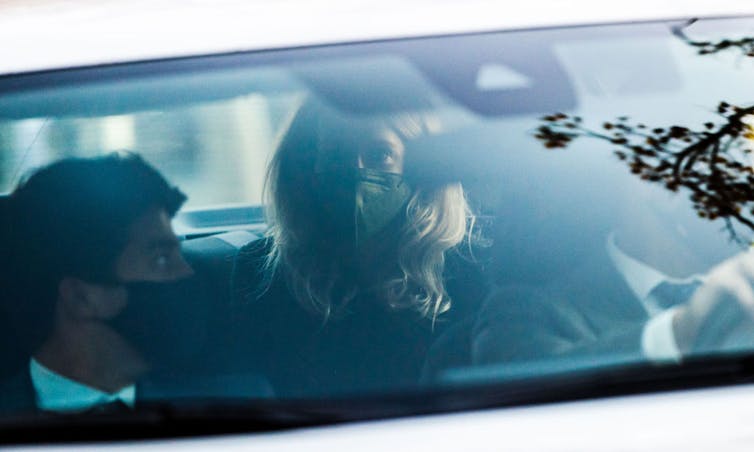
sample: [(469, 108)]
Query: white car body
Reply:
[(58, 34), (702, 420), (49, 35)]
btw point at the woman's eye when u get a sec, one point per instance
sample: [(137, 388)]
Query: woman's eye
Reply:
[(379, 156)]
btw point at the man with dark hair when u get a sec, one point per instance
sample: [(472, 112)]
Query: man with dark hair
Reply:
[(83, 233)]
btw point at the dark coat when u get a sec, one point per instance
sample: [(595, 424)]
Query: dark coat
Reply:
[(370, 347)]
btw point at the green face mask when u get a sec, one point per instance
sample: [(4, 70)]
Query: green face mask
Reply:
[(380, 197), (360, 203)]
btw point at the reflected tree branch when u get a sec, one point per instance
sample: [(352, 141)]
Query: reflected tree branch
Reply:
[(745, 45), (712, 163)]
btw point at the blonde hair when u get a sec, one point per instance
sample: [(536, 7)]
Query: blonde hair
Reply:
[(437, 218)]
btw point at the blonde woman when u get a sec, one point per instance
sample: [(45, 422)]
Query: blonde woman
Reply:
[(361, 271)]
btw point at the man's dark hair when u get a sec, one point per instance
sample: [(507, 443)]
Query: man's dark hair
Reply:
[(72, 218)]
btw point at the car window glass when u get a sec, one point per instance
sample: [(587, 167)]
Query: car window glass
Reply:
[(551, 184)]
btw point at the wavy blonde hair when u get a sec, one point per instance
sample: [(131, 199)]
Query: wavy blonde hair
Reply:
[(437, 218)]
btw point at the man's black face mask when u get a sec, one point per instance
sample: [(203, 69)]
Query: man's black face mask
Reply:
[(164, 321)]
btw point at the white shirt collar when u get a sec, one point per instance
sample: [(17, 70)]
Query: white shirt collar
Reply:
[(58, 393)]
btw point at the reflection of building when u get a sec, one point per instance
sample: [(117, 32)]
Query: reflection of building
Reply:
[(22, 147), (216, 152), (234, 139)]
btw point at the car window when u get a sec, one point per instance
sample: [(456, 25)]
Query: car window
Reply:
[(429, 214), (193, 143)]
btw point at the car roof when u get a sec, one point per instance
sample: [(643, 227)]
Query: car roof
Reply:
[(52, 34)]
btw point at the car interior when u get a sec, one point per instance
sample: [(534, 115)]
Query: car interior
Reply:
[(546, 214)]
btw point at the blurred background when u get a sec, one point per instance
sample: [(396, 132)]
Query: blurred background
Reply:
[(215, 151)]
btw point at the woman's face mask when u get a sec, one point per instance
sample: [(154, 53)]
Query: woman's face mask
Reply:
[(359, 203), (360, 184), (380, 197)]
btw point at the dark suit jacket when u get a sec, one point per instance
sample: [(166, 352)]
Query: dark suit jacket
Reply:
[(589, 310), (17, 395), (585, 312), (18, 398)]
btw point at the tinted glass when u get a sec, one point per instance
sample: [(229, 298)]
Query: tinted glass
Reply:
[(442, 211)]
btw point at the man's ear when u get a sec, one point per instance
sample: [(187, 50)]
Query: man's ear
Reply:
[(74, 297)]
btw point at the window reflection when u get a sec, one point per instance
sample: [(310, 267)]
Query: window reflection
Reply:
[(217, 150)]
